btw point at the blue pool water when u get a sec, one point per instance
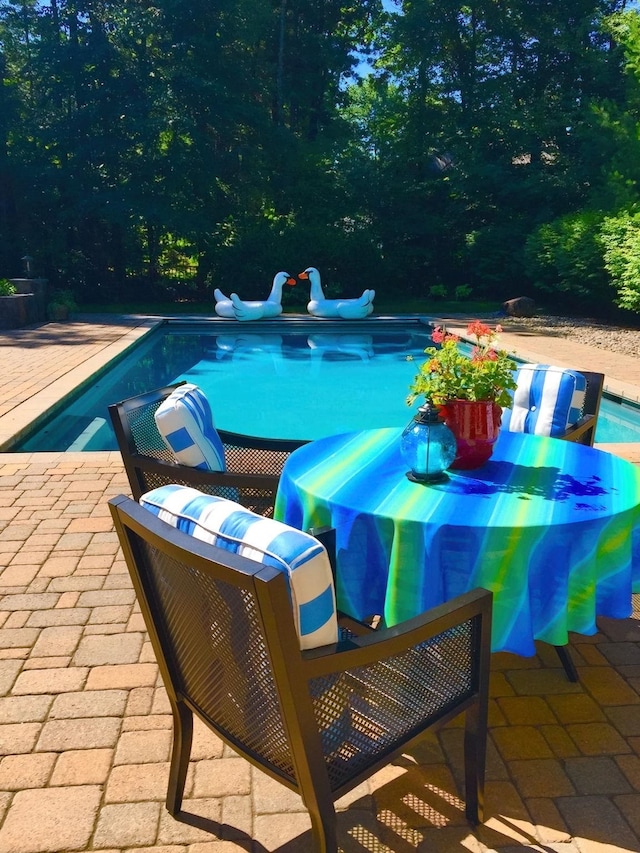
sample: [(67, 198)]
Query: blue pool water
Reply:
[(304, 383)]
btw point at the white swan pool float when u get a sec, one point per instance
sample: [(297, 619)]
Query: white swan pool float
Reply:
[(347, 309), (234, 307), (223, 306)]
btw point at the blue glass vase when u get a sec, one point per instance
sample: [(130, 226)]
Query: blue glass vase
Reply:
[(428, 446)]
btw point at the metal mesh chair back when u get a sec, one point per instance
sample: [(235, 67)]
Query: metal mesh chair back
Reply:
[(254, 464), (240, 457), (214, 646), (147, 441)]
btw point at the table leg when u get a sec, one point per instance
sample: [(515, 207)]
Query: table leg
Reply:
[(567, 662)]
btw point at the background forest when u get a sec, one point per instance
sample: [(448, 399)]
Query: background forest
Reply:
[(163, 149)]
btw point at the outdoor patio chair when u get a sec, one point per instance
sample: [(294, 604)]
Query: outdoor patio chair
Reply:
[(253, 465), (227, 632), (555, 401)]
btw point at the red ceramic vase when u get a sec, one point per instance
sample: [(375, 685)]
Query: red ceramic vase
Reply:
[(476, 425)]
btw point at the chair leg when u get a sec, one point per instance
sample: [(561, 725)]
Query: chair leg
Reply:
[(567, 662), (475, 757), (323, 831), (180, 753)]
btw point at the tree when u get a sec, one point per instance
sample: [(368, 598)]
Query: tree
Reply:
[(497, 95), (144, 144)]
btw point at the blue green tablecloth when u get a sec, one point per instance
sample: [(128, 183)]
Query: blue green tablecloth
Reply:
[(552, 527)]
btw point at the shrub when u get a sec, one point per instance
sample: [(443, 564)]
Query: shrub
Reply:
[(7, 288), (462, 293), (566, 256), (620, 236), (66, 298), (438, 291)]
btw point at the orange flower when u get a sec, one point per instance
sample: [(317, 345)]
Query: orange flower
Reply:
[(480, 330), (441, 336)]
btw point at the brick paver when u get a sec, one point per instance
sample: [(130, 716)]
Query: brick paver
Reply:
[(85, 726)]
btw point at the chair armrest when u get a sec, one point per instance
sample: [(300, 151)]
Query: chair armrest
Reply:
[(350, 627), (579, 432), (377, 645)]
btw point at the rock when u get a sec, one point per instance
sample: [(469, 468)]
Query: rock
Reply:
[(522, 306)]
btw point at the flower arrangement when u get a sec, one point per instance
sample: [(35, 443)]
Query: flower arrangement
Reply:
[(448, 374)]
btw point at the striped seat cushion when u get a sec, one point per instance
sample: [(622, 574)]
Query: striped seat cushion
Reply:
[(185, 422), (298, 555), (546, 401)]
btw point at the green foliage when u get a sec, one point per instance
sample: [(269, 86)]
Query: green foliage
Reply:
[(493, 256), (565, 257), (620, 237), (64, 298), (462, 293), (147, 150), (438, 291), (7, 288)]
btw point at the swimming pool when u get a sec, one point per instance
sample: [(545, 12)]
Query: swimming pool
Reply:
[(305, 381)]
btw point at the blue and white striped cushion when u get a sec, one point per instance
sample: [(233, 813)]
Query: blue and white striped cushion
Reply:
[(298, 555), (185, 422), (547, 400)]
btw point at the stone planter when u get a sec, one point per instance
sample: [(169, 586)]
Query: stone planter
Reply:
[(37, 286), (17, 310), (27, 306)]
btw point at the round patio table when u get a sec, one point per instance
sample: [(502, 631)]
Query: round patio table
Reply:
[(551, 527)]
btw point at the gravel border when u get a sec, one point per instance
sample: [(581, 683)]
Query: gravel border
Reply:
[(595, 333)]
